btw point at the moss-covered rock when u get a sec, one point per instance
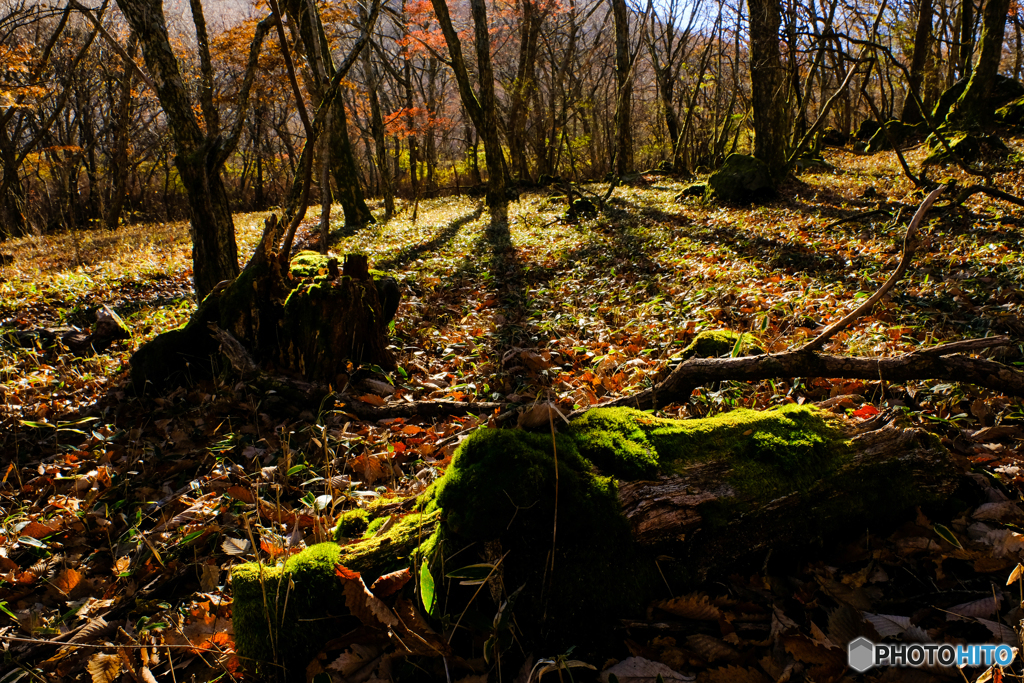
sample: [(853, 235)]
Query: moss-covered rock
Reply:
[(767, 451), (285, 613), (866, 129), (501, 486), (1012, 113), (751, 479), (1003, 91), (692, 190), (898, 131), (971, 146), (718, 343), (742, 179)]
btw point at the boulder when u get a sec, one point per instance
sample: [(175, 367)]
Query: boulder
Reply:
[(897, 130), (742, 179), (1004, 91), (971, 147)]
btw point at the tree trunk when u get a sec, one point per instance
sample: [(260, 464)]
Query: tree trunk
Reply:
[(966, 42), (387, 185), (686, 499), (767, 91), (214, 250), (119, 158), (345, 171), (200, 155), (970, 108), (624, 93), (922, 38), (483, 110)]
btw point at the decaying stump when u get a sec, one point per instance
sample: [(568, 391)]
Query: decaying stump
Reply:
[(308, 321), (640, 501)]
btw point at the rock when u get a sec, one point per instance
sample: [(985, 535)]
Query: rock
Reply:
[(866, 129), (1012, 113), (834, 137), (971, 147), (742, 179), (693, 190), (1004, 91), (581, 207), (899, 131)]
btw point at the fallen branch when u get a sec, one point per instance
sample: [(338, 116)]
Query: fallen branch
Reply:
[(964, 194), (908, 254), (942, 362), (856, 217)]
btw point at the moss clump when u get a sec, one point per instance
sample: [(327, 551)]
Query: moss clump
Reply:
[(501, 485), (286, 613), (352, 524), (314, 265), (718, 343), (308, 264), (295, 608), (768, 451)]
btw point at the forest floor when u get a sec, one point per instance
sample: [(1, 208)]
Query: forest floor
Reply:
[(122, 514)]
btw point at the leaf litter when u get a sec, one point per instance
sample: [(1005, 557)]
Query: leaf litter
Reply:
[(123, 514)]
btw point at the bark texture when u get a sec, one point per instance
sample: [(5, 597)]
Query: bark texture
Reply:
[(970, 108), (766, 75)]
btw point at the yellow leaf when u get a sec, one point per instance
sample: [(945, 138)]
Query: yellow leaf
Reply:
[(104, 668)]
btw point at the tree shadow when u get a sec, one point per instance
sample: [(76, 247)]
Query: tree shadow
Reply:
[(439, 241), (509, 278)]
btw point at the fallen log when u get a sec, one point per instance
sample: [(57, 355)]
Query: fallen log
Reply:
[(591, 523)]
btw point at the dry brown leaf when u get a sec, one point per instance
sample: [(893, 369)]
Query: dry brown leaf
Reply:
[(416, 634), (363, 604), (104, 668), (807, 651), (695, 606), (241, 493), (732, 674), (36, 530), (372, 399), (354, 659), (390, 584), (640, 670), (966, 611), (370, 468), (710, 648), (67, 581)]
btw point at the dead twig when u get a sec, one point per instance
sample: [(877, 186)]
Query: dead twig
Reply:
[(908, 253)]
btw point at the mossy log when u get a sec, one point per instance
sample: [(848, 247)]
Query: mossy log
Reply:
[(633, 502), (309, 321)]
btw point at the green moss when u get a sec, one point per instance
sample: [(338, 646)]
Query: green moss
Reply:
[(286, 613), (718, 343), (308, 264), (352, 524), (501, 485), (769, 451), (302, 598), (371, 529)]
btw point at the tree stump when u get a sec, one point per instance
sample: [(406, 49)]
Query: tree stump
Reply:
[(307, 322), (640, 501)]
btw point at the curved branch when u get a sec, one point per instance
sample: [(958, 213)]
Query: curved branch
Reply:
[(908, 254), (941, 362)]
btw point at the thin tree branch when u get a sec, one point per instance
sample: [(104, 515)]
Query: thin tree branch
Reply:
[(909, 243)]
